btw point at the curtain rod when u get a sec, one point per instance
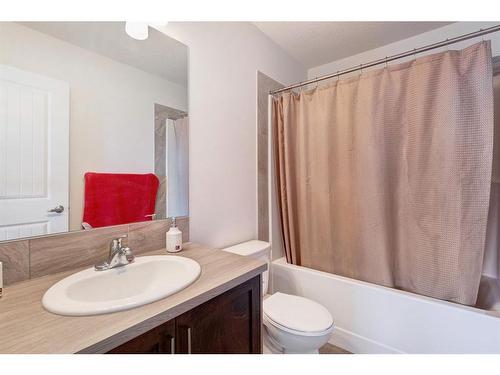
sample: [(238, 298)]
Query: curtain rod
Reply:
[(392, 58)]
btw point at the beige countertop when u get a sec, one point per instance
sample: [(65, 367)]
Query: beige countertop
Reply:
[(26, 327)]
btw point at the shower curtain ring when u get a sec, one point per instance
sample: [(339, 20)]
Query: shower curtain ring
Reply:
[(361, 69), (482, 36), (338, 75), (317, 82), (414, 54), (386, 62)]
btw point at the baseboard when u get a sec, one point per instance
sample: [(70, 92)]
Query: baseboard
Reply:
[(358, 344)]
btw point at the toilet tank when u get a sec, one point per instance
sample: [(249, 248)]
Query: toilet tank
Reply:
[(255, 249)]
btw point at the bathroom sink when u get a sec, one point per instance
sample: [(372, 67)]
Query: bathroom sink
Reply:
[(146, 280)]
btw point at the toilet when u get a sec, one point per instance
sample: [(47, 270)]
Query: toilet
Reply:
[(292, 324)]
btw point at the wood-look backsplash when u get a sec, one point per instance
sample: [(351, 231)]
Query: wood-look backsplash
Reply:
[(35, 257)]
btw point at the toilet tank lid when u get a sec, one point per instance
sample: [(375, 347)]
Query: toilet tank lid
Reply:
[(249, 248)]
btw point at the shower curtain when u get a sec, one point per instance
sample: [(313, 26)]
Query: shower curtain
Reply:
[(385, 177), (177, 166)]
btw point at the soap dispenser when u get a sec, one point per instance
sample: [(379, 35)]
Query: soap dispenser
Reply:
[(174, 238)]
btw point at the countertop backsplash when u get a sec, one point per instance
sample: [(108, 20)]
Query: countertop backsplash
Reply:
[(34, 257)]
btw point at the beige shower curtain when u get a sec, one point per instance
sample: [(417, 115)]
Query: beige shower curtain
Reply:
[(385, 177)]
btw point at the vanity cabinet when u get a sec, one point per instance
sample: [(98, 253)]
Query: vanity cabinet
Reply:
[(160, 340), (228, 323)]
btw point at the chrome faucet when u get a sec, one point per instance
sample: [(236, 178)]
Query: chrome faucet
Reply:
[(118, 255)]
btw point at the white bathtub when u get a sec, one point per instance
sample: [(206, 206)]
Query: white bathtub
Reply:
[(375, 319)]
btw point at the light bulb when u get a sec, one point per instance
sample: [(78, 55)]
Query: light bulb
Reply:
[(137, 30)]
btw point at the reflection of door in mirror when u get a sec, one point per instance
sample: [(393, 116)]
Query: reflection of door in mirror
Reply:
[(34, 139)]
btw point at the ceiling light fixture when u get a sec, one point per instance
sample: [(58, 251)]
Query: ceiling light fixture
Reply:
[(137, 30)]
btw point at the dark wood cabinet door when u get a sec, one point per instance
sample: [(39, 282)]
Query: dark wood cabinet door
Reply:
[(229, 323), (160, 340)]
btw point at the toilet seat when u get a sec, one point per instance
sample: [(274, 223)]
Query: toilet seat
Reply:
[(295, 332), (297, 315)]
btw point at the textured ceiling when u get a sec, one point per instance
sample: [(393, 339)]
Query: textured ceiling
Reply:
[(158, 54), (318, 43)]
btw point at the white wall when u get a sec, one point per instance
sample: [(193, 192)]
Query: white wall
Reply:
[(112, 105), (223, 63), (492, 251)]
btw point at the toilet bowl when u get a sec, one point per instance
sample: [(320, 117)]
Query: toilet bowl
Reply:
[(292, 324), (295, 324)]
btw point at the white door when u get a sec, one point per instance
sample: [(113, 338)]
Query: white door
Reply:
[(34, 154)]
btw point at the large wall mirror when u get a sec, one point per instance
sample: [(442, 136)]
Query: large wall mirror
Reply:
[(93, 126)]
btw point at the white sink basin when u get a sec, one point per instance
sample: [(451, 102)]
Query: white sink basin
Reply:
[(148, 279)]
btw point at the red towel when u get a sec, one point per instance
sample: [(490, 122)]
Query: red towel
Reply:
[(112, 198)]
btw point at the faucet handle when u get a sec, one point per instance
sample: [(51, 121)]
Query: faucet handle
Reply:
[(119, 239), (116, 244)]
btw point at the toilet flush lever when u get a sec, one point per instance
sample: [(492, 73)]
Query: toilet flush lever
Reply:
[(58, 209)]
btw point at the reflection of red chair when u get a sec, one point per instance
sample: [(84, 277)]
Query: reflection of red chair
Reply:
[(112, 198)]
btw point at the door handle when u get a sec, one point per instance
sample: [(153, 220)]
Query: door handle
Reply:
[(172, 345), (58, 209), (189, 339)]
